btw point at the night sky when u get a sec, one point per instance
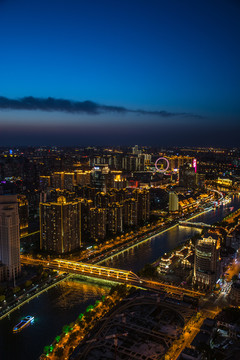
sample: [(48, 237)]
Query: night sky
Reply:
[(119, 72)]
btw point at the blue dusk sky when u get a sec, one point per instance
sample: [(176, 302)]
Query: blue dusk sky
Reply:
[(119, 72)]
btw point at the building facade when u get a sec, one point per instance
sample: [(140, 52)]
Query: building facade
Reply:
[(9, 236), (173, 202), (60, 225), (207, 262), (23, 214)]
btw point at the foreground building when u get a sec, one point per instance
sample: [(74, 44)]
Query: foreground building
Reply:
[(60, 225), (9, 237), (206, 262)]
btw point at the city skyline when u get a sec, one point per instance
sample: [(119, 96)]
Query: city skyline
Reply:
[(158, 73)]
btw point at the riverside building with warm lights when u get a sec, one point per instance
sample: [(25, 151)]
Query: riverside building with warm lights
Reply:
[(143, 204), (173, 202), (60, 225), (206, 262), (115, 218), (98, 223), (130, 212), (9, 237)]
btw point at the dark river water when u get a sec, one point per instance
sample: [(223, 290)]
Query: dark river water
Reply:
[(63, 303)]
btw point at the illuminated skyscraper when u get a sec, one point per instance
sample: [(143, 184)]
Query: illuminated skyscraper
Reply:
[(143, 204), (130, 213), (58, 180), (83, 178), (98, 218), (206, 261), (9, 236), (115, 218), (119, 182), (100, 176), (69, 180), (86, 206), (173, 202), (60, 225)]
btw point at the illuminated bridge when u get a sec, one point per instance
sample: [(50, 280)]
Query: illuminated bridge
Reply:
[(96, 270), (200, 225), (85, 269), (106, 273)]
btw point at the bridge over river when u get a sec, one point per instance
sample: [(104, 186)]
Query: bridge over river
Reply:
[(199, 225), (111, 274)]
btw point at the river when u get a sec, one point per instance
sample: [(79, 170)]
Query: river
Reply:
[(62, 304)]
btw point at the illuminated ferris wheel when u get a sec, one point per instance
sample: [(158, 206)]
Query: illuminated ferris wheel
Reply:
[(159, 165)]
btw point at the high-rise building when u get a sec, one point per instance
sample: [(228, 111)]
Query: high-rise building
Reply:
[(130, 213), (143, 204), (60, 225), (44, 182), (133, 162), (187, 177), (100, 175), (23, 214), (83, 178), (119, 182), (69, 180), (86, 205), (130, 163), (135, 150), (102, 200), (173, 202), (115, 218), (9, 236), (98, 219), (200, 180), (206, 261), (58, 180), (175, 162)]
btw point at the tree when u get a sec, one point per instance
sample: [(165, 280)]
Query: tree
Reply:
[(65, 329), (149, 271), (2, 297), (80, 316), (89, 308), (57, 338), (46, 349)]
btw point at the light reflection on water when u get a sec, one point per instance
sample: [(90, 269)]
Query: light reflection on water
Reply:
[(52, 310), (72, 292), (135, 258)]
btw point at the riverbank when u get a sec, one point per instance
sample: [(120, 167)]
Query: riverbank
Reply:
[(64, 344), (28, 297)]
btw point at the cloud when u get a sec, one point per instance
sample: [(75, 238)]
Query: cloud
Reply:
[(76, 107)]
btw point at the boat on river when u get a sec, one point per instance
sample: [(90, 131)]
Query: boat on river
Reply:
[(23, 323)]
